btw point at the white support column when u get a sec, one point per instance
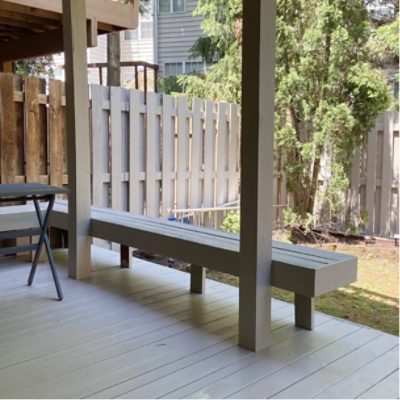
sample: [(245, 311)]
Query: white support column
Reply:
[(77, 116), (258, 89)]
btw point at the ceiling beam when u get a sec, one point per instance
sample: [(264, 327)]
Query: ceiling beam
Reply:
[(31, 25), (36, 45), (33, 45), (44, 23)]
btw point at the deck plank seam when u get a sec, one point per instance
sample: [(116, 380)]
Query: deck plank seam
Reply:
[(377, 383), (163, 366), (291, 362), (331, 362), (257, 358), (360, 367)]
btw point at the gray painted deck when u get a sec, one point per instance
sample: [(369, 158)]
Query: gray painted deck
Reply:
[(139, 333)]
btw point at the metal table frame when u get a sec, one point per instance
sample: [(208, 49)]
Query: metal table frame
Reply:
[(35, 193)]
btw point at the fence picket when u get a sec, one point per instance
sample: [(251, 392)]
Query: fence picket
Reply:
[(234, 130), (168, 155), (386, 187), (116, 147), (153, 165), (370, 178), (222, 146), (196, 155), (99, 147), (56, 132), (209, 155), (33, 142), (136, 152), (182, 196), (8, 130)]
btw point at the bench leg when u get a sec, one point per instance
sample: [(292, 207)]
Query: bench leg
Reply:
[(197, 279), (304, 311), (126, 256)]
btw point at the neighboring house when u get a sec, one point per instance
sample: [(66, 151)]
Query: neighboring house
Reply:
[(177, 30), (165, 36)]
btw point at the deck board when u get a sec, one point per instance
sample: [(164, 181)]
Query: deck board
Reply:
[(139, 333)]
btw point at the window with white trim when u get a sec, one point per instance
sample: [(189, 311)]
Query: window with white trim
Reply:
[(171, 6), (183, 67), (175, 68), (192, 67)]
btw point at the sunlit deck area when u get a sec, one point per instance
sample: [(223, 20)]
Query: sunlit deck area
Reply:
[(140, 333)]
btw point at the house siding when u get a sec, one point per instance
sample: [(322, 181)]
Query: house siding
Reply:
[(177, 32)]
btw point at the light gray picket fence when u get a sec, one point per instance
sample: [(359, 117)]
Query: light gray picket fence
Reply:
[(375, 177), (150, 158), (374, 183)]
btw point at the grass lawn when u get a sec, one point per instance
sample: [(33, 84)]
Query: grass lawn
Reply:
[(372, 301)]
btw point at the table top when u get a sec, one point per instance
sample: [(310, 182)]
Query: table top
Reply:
[(29, 190)]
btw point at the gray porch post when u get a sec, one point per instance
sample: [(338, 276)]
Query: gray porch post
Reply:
[(77, 115), (257, 173)]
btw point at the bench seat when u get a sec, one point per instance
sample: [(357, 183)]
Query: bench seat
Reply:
[(307, 272)]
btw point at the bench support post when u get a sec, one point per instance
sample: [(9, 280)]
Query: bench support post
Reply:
[(304, 311), (197, 279), (126, 256)]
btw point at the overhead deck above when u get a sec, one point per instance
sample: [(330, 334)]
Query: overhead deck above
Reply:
[(31, 28)]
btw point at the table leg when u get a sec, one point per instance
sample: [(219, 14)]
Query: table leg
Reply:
[(43, 239)]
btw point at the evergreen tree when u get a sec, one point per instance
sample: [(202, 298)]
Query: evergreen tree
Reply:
[(328, 93)]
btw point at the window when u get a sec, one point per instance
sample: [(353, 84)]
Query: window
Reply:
[(164, 6), (173, 68), (178, 6), (194, 66), (131, 34), (187, 67), (146, 30), (171, 6)]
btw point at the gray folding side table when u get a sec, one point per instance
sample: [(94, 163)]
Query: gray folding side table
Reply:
[(35, 192)]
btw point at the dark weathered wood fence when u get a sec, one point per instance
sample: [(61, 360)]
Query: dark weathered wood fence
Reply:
[(32, 131)]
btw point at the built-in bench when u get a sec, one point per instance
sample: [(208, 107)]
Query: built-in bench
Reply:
[(307, 272)]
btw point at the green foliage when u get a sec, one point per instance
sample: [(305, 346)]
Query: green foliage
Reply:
[(328, 91), (42, 67), (358, 225), (384, 43), (170, 84), (293, 220), (222, 44), (231, 222), (222, 82)]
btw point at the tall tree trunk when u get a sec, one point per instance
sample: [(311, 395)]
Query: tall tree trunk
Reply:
[(113, 59)]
